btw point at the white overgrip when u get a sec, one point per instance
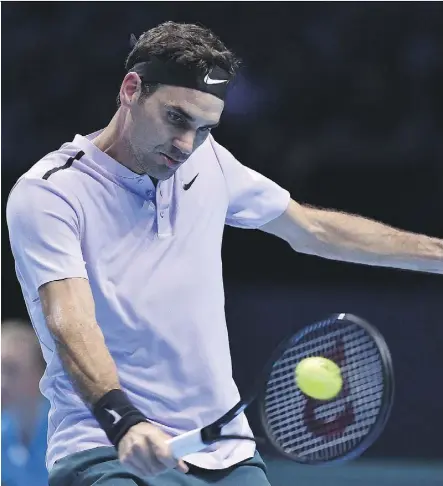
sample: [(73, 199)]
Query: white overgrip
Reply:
[(186, 443)]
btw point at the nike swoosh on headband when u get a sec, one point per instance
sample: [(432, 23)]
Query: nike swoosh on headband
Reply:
[(209, 80)]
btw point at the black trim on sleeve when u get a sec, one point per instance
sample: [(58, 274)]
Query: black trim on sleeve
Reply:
[(66, 166)]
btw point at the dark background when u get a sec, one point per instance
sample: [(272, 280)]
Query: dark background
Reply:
[(340, 103)]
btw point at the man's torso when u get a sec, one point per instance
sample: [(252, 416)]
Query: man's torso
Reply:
[(153, 259)]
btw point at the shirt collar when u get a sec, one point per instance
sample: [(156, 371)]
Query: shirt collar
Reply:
[(136, 182), (101, 158)]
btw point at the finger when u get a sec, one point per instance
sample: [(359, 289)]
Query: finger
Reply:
[(142, 463), (164, 455), (157, 465), (181, 466), (159, 455), (153, 464)]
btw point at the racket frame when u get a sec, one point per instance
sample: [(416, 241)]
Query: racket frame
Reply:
[(387, 399)]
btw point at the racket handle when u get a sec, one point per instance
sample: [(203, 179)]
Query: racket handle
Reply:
[(186, 443)]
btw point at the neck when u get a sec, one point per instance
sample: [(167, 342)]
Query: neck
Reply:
[(112, 142)]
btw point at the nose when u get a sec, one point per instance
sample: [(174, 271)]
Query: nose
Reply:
[(185, 142)]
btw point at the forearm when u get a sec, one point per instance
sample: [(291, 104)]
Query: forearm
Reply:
[(69, 310), (88, 363), (355, 239), (87, 360)]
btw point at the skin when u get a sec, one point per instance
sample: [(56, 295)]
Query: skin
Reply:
[(171, 122), (21, 372)]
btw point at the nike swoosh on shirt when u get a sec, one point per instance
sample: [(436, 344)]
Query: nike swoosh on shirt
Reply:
[(189, 184), (209, 80)]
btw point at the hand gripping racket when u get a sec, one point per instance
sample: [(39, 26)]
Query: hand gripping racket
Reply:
[(303, 429)]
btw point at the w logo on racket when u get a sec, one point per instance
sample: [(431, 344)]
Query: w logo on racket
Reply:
[(327, 427)]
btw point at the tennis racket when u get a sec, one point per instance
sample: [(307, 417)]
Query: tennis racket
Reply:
[(303, 429)]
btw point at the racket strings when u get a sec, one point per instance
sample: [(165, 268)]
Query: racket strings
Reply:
[(322, 430), (288, 364)]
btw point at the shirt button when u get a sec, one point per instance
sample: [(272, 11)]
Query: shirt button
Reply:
[(162, 213), (149, 193), (161, 194)]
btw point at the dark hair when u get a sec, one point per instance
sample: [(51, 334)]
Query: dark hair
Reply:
[(187, 44)]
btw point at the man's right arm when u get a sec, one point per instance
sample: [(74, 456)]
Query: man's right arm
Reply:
[(68, 306), (69, 311)]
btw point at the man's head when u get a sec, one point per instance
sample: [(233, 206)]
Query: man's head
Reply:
[(22, 364), (164, 123)]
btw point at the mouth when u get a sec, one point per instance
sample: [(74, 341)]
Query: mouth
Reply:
[(170, 162)]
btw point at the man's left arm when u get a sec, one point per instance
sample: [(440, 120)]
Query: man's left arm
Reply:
[(340, 236)]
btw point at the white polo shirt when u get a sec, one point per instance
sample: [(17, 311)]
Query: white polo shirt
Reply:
[(153, 259)]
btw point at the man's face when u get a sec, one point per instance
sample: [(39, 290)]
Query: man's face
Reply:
[(168, 126), (21, 369)]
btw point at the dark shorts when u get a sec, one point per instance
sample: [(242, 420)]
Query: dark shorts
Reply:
[(101, 467)]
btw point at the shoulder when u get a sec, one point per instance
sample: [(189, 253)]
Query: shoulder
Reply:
[(36, 202), (55, 174), (218, 149), (219, 158), (57, 165), (210, 148)]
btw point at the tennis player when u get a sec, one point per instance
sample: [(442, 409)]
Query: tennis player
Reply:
[(117, 242)]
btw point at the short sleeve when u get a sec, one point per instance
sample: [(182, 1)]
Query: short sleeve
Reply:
[(44, 231), (254, 200)]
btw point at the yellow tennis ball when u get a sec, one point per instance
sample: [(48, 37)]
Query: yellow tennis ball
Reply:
[(318, 377)]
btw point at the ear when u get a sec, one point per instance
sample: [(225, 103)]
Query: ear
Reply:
[(130, 89)]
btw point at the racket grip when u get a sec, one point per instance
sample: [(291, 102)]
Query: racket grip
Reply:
[(186, 443)]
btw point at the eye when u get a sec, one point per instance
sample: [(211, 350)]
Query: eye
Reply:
[(204, 129), (175, 118)]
